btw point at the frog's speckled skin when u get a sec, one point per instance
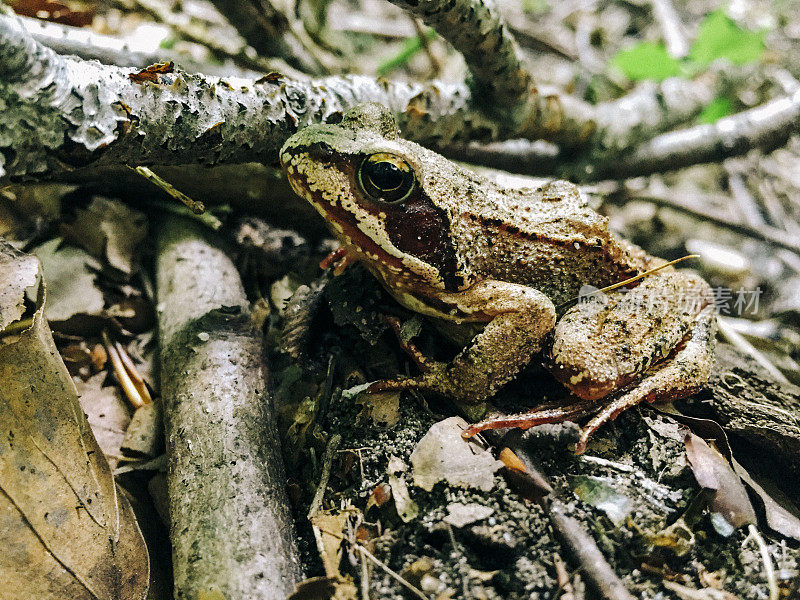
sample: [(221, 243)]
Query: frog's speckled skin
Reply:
[(462, 248)]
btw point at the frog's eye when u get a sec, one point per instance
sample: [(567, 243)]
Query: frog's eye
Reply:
[(386, 177)]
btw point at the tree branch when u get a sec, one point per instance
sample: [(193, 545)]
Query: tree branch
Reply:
[(767, 127), (61, 113), (230, 522)]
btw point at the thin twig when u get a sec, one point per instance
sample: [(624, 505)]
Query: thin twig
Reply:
[(383, 566), (327, 462), (196, 207), (136, 377), (671, 28), (394, 575), (131, 393), (364, 583), (766, 233), (769, 568)]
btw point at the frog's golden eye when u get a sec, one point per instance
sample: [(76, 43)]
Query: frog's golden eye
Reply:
[(386, 177)]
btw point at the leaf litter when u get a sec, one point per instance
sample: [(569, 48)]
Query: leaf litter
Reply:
[(70, 533)]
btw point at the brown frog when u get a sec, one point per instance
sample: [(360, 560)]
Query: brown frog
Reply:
[(452, 245)]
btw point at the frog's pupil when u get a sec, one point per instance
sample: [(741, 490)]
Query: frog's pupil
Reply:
[(385, 175)]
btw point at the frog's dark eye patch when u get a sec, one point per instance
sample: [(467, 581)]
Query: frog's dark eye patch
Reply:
[(386, 177)]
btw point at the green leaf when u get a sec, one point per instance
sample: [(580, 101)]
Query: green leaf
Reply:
[(721, 37), (647, 60), (535, 7), (719, 107), (409, 49)]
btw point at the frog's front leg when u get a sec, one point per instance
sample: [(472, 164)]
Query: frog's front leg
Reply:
[(517, 319)]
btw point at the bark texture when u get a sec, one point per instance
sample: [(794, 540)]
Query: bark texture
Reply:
[(231, 527)]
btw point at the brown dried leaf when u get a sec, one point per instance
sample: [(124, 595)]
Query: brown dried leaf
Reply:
[(70, 276), (107, 412), (153, 73), (74, 14), (782, 514), (67, 532), (19, 281), (108, 230), (728, 498)]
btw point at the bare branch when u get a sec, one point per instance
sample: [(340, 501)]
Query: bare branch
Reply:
[(231, 527), (671, 27), (61, 113), (475, 28), (88, 45), (767, 127)]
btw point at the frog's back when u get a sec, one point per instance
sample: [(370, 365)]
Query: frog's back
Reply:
[(548, 238)]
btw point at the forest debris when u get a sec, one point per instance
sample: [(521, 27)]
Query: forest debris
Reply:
[(728, 500), (123, 377), (70, 533), (602, 494), (586, 554), (407, 509), (145, 434), (687, 593), (109, 230), (379, 496), (443, 455), (781, 514), (70, 276), (107, 412), (460, 514), (223, 495), (135, 377), (383, 407), (327, 463), (329, 526)]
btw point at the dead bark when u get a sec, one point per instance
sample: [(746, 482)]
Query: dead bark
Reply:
[(231, 529)]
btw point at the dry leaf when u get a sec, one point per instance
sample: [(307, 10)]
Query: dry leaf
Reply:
[(443, 455), (460, 514), (70, 276), (153, 73), (68, 534), (728, 500), (19, 282), (407, 509), (782, 515), (107, 412), (108, 230)]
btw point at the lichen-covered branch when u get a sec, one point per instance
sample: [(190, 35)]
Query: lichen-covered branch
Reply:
[(476, 30), (59, 113)]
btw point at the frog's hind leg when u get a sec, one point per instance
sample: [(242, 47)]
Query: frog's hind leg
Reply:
[(679, 376)]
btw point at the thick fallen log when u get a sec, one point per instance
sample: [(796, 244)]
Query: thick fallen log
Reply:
[(231, 528)]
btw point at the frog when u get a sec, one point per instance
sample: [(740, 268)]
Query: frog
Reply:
[(460, 248)]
